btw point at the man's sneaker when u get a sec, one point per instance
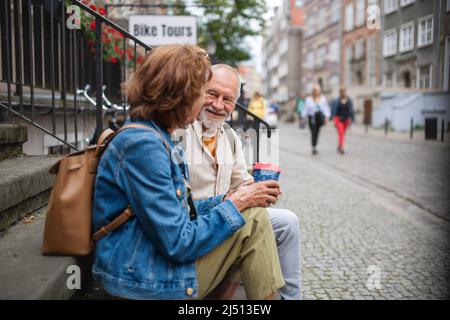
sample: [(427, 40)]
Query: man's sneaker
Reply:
[(314, 151)]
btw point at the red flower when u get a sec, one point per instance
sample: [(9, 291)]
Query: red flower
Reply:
[(86, 1), (102, 11), (93, 7), (90, 43), (139, 60), (93, 24), (113, 60), (116, 48)]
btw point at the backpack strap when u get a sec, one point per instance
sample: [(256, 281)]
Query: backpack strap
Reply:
[(108, 135), (231, 138)]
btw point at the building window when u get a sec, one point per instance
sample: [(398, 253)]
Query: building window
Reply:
[(424, 76), (336, 10), (406, 37), (425, 33), (334, 81), (334, 50), (359, 49), (299, 3), (390, 43), (322, 21), (310, 60), (404, 3), (311, 25), (320, 56), (349, 17), (390, 6), (360, 12)]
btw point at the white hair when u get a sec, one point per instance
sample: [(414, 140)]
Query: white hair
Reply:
[(234, 71)]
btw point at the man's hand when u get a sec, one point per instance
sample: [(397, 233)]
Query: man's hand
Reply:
[(260, 194)]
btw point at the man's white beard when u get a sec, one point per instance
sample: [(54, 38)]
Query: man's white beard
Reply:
[(211, 125)]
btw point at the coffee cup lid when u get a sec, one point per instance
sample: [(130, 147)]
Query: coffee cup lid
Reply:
[(266, 166)]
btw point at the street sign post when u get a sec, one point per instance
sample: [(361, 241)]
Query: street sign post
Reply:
[(156, 30)]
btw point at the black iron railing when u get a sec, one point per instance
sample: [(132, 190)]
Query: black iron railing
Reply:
[(44, 63), (255, 123)]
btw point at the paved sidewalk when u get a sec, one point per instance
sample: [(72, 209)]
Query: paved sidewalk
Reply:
[(360, 221)]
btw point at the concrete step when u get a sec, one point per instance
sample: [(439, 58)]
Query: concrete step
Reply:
[(12, 137), (25, 185), (24, 272)]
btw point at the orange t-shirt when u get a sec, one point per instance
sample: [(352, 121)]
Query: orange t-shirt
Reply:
[(210, 143)]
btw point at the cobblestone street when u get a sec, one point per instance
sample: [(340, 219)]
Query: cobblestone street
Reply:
[(383, 207)]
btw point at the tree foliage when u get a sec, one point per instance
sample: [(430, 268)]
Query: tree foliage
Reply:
[(228, 23)]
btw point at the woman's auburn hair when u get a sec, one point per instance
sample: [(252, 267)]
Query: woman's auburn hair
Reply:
[(167, 83)]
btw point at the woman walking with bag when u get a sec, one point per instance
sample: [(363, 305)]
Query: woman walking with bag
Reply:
[(318, 111), (173, 247), (343, 115)]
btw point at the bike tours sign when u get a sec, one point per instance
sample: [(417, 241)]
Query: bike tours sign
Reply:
[(156, 30)]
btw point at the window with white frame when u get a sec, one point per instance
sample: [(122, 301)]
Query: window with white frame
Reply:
[(312, 24), (334, 81), (336, 11), (299, 3), (321, 20), (404, 3), (406, 37), (359, 49), (390, 6), (349, 17), (334, 50), (425, 32), (390, 43), (360, 12), (320, 56), (424, 77)]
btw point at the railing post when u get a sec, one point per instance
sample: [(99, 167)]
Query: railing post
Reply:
[(98, 78), (386, 124), (442, 130), (411, 133)]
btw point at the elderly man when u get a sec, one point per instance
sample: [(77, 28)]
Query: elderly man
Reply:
[(217, 166)]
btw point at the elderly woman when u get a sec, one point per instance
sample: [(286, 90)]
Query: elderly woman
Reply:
[(173, 248)]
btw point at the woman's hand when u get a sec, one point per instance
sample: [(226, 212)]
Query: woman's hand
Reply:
[(260, 194)]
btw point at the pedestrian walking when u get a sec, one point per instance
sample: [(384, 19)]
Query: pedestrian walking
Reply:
[(257, 105), (318, 111), (299, 106), (343, 115)]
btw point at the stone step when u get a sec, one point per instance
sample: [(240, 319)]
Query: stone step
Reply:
[(27, 274), (12, 137), (24, 186)]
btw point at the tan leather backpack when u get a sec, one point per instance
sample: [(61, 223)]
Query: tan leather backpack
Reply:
[(68, 224)]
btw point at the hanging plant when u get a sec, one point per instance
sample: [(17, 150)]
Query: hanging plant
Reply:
[(112, 40)]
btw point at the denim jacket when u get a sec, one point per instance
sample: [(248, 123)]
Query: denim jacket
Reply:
[(152, 255)]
